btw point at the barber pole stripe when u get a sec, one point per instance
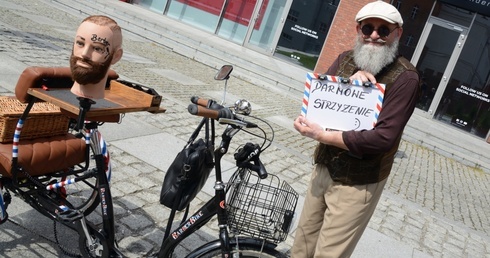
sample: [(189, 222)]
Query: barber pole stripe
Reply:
[(380, 87), (61, 184), (379, 104), (356, 82), (107, 156), (306, 93), (87, 137), (15, 142), (105, 153), (332, 78)]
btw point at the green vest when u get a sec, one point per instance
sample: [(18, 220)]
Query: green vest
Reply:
[(371, 168)]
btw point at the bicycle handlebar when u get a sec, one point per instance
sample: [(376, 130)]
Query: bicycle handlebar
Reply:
[(257, 167), (216, 111), (249, 155), (222, 112), (206, 103)]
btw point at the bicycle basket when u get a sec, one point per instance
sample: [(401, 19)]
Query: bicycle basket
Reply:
[(261, 208)]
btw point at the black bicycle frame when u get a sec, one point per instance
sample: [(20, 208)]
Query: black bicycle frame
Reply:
[(106, 204), (186, 228), (215, 205)]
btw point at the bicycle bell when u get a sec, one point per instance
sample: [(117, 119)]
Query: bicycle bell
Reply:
[(243, 107)]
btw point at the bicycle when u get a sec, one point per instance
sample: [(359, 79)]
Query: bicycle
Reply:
[(254, 210), (68, 177), (258, 214)]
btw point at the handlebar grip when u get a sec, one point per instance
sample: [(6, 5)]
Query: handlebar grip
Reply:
[(248, 153), (262, 173), (209, 103), (199, 101), (209, 113)]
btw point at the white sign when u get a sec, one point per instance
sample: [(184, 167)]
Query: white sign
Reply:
[(305, 31), (338, 104), (473, 93)]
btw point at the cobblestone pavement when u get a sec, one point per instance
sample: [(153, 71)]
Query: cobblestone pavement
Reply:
[(434, 204)]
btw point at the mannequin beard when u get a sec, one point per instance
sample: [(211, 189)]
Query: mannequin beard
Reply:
[(373, 58), (91, 75)]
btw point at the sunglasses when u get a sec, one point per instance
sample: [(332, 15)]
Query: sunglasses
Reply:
[(383, 31)]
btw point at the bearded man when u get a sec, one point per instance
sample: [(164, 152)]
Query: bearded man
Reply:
[(97, 46), (351, 167)]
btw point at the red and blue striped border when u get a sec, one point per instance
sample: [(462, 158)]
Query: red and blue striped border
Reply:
[(310, 76)]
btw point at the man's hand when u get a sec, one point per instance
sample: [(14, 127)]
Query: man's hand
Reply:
[(363, 76), (308, 128), (314, 131)]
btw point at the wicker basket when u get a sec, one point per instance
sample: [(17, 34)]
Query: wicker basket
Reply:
[(44, 120)]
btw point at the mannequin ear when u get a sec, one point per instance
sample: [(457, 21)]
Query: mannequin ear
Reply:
[(117, 56)]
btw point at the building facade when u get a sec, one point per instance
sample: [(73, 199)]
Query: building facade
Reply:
[(447, 40)]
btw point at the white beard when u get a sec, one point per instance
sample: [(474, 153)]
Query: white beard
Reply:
[(373, 58)]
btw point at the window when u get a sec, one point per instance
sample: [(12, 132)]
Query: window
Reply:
[(415, 11), (409, 40), (398, 4), (293, 15), (323, 27), (287, 36)]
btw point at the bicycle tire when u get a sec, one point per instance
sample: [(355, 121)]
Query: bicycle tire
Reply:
[(245, 250)]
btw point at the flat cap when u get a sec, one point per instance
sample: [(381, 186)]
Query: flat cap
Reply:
[(381, 10)]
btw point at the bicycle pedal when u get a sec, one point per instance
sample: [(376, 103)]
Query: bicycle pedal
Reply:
[(69, 215)]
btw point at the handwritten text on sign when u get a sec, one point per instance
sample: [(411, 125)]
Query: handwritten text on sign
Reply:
[(341, 106)]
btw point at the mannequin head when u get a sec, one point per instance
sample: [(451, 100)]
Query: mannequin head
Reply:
[(97, 46)]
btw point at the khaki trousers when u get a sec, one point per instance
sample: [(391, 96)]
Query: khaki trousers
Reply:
[(334, 216)]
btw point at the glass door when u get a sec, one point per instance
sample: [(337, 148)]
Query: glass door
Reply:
[(453, 58), (154, 5), (203, 14), (235, 20), (466, 99), (439, 47), (305, 30), (254, 23), (266, 25)]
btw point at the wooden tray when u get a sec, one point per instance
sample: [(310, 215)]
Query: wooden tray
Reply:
[(119, 98)]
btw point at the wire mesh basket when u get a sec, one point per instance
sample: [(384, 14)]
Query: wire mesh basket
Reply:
[(261, 208)]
